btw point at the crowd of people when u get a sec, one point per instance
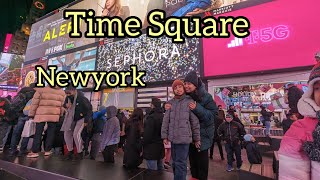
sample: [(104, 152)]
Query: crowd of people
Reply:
[(166, 135)]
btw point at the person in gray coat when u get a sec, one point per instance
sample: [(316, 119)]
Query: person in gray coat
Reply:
[(111, 135), (181, 127)]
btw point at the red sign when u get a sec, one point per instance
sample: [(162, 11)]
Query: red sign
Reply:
[(284, 34), (7, 43)]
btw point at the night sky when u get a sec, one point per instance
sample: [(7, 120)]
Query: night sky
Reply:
[(13, 13)]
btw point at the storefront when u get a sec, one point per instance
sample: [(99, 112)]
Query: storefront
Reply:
[(248, 93)]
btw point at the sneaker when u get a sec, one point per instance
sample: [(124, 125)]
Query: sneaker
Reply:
[(12, 153), (47, 153), (229, 168), (69, 156), (238, 168), (32, 155)]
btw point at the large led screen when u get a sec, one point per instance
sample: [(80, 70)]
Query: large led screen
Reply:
[(10, 70), (283, 35), (159, 57)]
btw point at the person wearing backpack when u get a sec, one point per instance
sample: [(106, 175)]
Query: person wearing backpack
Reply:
[(19, 102), (4, 123)]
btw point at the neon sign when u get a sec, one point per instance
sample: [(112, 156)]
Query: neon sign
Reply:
[(264, 35), (268, 34)]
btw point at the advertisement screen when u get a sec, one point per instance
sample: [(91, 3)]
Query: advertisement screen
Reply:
[(51, 35), (182, 8), (282, 35), (78, 61), (159, 57), (29, 73), (126, 8), (10, 70)]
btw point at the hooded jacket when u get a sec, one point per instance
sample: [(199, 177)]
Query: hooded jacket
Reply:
[(206, 110), (99, 120), (294, 162), (153, 148), (83, 107), (111, 130), (47, 104), (20, 101)]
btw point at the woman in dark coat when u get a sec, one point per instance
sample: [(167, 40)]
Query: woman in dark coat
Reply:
[(153, 148), (133, 145)]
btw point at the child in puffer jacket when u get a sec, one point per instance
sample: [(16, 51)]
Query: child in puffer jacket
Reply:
[(299, 154), (181, 127), (253, 153)]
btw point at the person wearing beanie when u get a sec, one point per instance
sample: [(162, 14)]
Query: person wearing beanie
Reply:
[(153, 149), (98, 122), (299, 153), (253, 154), (181, 127), (205, 108), (232, 132)]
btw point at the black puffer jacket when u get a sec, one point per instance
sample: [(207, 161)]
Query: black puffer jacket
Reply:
[(232, 132), (83, 107), (153, 148)]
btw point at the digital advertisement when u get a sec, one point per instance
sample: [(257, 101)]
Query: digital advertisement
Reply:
[(276, 41), (78, 61), (10, 70), (51, 35), (29, 73), (160, 58)]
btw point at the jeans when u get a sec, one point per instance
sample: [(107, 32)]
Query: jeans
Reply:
[(179, 154), (5, 128), (199, 163), (155, 165), (268, 126), (233, 148), (17, 132), (36, 147), (192, 5), (218, 141)]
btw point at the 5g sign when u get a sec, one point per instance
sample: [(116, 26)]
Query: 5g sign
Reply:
[(268, 34)]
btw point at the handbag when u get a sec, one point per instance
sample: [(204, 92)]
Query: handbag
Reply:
[(29, 128)]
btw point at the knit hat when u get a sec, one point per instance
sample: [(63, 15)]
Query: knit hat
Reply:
[(156, 102), (176, 83), (309, 108), (229, 116), (193, 78), (247, 137)]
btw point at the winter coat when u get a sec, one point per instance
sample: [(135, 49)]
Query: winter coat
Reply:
[(286, 124), (99, 120), (232, 132), (153, 148), (83, 107), (217, 122), (206, 110), (294, 94), (19, 102), (133, 144), (47, 105), (4, 109), (266, 115), (294, 162), (111, 130), (180, 125), (253, 154)]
